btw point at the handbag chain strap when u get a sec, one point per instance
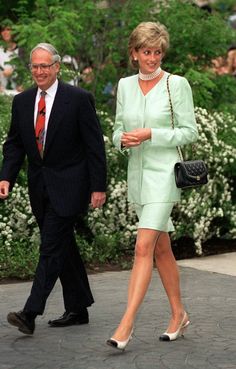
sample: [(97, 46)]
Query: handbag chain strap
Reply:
[(172, 117)]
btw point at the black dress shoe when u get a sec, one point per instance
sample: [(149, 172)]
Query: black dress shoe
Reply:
[(22, 321), (70, 318)]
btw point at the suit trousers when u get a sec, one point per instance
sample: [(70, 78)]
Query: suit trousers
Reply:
[(59, 258)]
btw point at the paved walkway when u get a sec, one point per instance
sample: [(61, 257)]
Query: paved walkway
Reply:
[(208, 288)]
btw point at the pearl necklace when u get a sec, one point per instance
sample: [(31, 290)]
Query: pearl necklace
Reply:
[(150, 76)]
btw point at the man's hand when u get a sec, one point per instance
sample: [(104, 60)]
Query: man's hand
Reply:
[(4, 189), (98, 199), (135, 137)]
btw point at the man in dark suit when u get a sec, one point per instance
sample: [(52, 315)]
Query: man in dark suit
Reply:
[(64, 145)]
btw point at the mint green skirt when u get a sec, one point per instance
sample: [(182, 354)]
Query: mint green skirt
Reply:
[(155, 216)]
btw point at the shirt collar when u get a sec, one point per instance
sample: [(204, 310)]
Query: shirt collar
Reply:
[(51, 91)]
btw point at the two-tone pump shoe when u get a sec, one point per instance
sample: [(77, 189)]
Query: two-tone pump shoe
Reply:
[(120, 345), (180, 331)]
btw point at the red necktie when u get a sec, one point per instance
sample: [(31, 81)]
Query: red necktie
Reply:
[(40, 123)]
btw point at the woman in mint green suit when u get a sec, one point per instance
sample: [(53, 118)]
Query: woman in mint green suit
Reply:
[(143, 129)]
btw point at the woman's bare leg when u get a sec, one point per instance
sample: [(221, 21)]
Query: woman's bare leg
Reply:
[(169, 273), (139, 279)]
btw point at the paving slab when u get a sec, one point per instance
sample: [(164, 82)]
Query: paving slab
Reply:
[(209, 343)]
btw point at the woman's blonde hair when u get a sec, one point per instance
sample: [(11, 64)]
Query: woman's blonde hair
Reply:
[(147, 34)]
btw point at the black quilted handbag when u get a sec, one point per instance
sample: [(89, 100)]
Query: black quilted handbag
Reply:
[(189, 173)]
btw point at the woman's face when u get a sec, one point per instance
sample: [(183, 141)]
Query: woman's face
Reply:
[(149, 58), (6, 34)]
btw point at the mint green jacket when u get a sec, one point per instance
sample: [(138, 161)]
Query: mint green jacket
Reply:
[(151, 165)]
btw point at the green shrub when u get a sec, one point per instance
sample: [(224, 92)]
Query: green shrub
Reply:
[(19, 235)]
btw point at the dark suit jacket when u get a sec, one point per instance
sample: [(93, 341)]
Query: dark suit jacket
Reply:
[(74, 162)]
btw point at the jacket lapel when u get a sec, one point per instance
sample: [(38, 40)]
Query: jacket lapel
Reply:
[(56, 116), (28, 114)]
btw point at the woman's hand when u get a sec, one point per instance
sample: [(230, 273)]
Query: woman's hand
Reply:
[(135, 137)]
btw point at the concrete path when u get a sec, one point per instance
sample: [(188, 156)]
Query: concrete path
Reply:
[(224, 263), (210, 341)]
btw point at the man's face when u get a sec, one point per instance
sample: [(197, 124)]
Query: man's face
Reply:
[(44, 70)]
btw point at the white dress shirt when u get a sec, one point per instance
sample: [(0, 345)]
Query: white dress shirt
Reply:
[(49, 100)]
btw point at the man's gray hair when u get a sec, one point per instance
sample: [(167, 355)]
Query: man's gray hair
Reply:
[(48, 47)]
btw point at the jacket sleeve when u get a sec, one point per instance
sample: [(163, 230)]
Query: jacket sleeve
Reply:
[(119, 127), (13, 150), (94, 143), (185, 128)]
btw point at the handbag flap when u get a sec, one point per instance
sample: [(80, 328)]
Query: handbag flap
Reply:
[(194, 168)]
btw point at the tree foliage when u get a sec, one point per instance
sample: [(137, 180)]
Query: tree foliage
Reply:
[(98, 36)]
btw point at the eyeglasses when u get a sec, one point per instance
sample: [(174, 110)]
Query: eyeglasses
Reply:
[(43, 67)]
